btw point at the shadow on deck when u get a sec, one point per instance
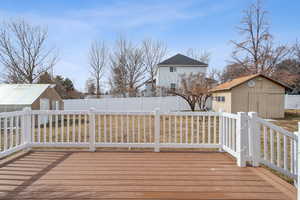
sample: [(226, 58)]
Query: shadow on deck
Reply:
[(133, 175)]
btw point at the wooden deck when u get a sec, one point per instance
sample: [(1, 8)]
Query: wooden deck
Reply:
[(124, 175)]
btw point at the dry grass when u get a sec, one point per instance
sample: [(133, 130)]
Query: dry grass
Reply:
[(290, 121)]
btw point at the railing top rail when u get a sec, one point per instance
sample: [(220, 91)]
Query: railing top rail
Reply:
[(11, 114), (57, 112), (277, 128), (78, 112), (191, 113), (123, 113), (229, 115)]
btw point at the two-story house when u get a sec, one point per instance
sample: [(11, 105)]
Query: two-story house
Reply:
[(169, 71)]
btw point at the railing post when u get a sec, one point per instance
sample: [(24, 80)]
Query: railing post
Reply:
[(221, 131), (254, 139), (241, 134), (156, 129), (298, 162), (26, 125), (92, 129)]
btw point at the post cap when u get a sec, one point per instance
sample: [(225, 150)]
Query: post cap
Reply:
[(92, 109), (27, 109), (252, 114)]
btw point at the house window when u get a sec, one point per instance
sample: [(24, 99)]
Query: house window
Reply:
[(172, 69), (173, 86)]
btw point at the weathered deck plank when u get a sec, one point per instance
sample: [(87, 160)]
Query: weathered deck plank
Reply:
[(116, 175)]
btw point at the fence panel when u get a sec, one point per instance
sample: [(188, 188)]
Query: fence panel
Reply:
[(60, 128), (141, 104), (190, 130), (124, 129), (278, 148), (229, 127), (12, 138)]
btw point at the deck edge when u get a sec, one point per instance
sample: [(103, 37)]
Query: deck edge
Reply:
[(286, 188)]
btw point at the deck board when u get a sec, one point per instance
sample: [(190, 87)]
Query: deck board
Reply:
[(131, 175)]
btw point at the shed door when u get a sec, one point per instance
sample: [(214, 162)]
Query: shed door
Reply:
[(44, 104), (257, 103), (267, 105)]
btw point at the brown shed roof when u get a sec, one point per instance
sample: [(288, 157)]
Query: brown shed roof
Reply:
[(238, 81)]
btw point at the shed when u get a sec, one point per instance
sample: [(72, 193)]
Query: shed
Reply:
[(258, 93), (15, 97)]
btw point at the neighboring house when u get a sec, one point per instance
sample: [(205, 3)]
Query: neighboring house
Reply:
[(15, 97), (169, 72), (148, 92), (257, 93)]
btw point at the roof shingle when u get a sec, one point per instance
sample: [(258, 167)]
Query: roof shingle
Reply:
[(238, 81), (180, 59)]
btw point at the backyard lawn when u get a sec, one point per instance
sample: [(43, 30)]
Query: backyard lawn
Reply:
[(290, 121)]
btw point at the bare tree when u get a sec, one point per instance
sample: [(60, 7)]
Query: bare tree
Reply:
[(194, 89), (97, 61), (90, 86), (201, 55), (24, 52), (154, 52), (127, 68), (233, 71), (257, 52), (297, 50)]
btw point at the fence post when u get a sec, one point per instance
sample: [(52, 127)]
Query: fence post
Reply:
[(221, 131), (298, 162), (26, 125), (241, 134), (92, 129), (254, 139), (156, 129)]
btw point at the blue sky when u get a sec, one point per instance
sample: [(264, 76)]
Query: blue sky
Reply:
[(201, 24)]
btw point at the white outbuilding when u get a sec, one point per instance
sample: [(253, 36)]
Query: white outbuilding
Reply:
[(15, 97)]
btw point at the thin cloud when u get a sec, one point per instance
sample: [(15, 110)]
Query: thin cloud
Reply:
[(73, 29)]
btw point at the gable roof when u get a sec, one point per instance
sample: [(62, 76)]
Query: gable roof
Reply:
[(183, 60), (238, 81), (21, 94)]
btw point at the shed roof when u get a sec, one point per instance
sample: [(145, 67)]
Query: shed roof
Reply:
[(183, 60), (238, 81), (21, 94)]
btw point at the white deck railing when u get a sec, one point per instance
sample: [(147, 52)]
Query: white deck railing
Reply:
[(125, 129), (273, 146), (248, 138)]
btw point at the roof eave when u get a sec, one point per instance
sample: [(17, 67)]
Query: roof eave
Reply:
[(168, 65), (221, 90)]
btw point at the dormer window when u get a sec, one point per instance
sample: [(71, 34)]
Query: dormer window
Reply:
[(172, 69)]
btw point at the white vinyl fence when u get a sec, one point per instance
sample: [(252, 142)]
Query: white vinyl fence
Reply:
[(142, 104), (146, 104), (292, 102)]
